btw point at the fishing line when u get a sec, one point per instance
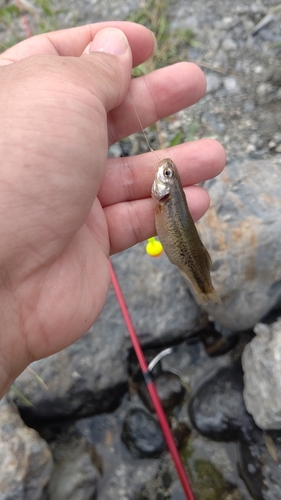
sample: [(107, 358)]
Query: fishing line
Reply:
[(143, 131), (134, 339)]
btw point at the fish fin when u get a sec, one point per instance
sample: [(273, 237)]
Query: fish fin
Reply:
[(208, 298), (202, 298), (208, 259)]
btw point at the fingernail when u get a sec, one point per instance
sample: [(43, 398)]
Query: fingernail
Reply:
[(109, 40)]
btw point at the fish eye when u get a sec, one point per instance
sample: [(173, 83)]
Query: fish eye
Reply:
[(168, 172)]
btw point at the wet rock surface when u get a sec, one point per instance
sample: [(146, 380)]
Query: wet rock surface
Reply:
[(170, 391), (76, 471), (142, 434), (260, 465), (217, 409)]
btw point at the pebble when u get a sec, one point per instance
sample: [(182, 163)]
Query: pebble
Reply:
[(277, 137), (114, 151), (142, 434), (213, 83), (278, 148), (229, 44), (217, 408), (230, 84), (170, 391), (264, 89), (259, 465), (249, 106)]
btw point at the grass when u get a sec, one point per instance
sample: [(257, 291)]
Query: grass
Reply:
[(41, 17), (155, 15)]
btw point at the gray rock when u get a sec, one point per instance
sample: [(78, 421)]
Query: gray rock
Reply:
[(231, 85), (88, 377), (229, 44), (123, 474), (213, 83), (26, 461), (115, 151), (242, 231), (264, 89), (262, 376), (74, 477), (259, 463)]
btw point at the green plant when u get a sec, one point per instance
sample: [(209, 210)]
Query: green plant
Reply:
[(155, 16)]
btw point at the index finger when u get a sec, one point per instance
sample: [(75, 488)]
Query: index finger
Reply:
[(73, 41)]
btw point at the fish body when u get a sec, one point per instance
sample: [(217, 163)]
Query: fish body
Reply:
[(178, 234)]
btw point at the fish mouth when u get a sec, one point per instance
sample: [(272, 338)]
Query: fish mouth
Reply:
[(165, 198)]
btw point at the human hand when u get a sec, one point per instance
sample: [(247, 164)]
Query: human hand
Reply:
[(64, 206)]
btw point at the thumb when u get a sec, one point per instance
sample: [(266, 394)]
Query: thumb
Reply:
[(112, 58)]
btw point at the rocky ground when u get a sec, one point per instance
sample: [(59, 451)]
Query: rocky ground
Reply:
[(95, 433)]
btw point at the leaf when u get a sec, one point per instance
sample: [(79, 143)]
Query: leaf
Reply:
[(177, 139), (21, 396)]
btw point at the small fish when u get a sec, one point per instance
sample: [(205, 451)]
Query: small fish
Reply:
[(178, 234)]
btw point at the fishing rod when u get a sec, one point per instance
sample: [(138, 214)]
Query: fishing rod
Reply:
[(151, 387)]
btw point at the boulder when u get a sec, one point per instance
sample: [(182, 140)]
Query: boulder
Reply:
[(242, 231), (262, 375), (26, 461)]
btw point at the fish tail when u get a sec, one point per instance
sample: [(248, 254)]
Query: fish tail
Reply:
[(208, 298)]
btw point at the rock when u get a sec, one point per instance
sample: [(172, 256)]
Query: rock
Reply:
[(262, 375), (74, 477), (123, 474), (88, 377), (217, 343), (170, 391), (231, 85), (242, 231), (213, 122), (26, 461), (213, 83), (229, 44), (114, 151), (264, 89), (259, 465), (209, 463), (142, 433), (217, 409)]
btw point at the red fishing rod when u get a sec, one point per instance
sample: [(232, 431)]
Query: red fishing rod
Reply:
[(151, 387)]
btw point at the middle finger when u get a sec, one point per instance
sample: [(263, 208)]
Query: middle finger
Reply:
[(158, 94), (130, 178)]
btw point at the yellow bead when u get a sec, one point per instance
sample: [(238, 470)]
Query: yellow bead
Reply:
[(154, 247)]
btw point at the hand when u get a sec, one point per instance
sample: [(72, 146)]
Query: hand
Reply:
[(65, 207)]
